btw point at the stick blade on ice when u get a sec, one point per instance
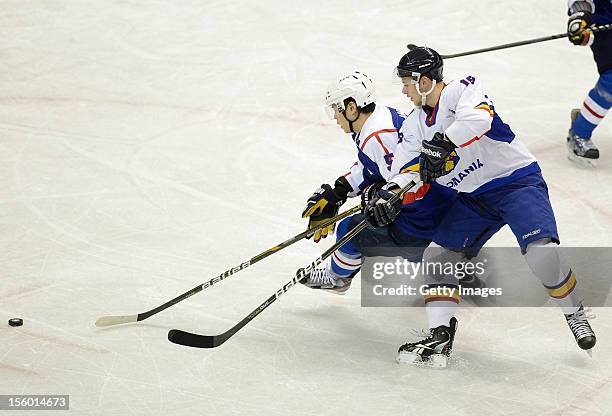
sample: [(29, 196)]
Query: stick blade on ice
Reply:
[(116, 320)]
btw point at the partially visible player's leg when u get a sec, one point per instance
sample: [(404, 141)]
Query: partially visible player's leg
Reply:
[(344, 263), (465, 229), (559, 279), (442, 298), (547, 263), (337, 273), (595, 106), (441, 303), (530, 217)]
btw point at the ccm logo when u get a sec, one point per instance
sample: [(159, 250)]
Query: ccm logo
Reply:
[(532, 233)]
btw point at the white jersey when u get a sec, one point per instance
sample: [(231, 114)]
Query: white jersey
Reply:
[(377, 150), (487, 155), (376, 144)]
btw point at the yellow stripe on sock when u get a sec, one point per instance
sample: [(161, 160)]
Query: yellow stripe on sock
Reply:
[(564, 289), (450, 294)]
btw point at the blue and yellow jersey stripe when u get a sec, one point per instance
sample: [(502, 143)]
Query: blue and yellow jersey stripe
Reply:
[(412, 166), (485, 106)]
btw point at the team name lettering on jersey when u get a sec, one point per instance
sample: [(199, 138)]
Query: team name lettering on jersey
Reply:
[(456, 180)]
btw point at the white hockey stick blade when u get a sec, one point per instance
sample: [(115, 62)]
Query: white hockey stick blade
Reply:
[(116, 320)]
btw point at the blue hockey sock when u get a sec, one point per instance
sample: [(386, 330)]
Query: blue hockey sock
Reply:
[(595, 107), (346, 260)]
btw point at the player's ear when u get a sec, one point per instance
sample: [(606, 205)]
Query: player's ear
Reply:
[(425, 83), (351, 108)]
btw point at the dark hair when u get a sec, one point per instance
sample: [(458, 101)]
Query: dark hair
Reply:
[(367, 109)]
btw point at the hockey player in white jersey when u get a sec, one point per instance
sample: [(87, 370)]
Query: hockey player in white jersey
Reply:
[(467, 147), (375, 133)]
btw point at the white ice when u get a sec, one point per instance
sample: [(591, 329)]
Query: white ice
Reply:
[(146, 146)]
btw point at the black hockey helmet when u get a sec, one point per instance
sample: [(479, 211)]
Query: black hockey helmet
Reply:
[(420, 60)]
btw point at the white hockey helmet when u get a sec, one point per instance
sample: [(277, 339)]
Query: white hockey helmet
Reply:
[(355, 85)]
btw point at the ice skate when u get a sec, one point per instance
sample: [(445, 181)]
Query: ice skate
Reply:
[(581, 150), (433, 351), (322, 278), (579, 325)]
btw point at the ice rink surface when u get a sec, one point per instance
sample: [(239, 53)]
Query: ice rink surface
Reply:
[(146, 146)]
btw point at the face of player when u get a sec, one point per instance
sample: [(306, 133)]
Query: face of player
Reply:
[(409, 89)]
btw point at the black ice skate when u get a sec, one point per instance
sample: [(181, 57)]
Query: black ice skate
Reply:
[(433, 351), (579, 325), (581, 150)]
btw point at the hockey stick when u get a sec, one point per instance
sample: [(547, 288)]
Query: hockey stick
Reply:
[(190, 339), (124, 319), (524, 42)]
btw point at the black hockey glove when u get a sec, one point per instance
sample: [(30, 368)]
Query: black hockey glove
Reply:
[(324, 204), (380, 212), (579, 22), (434, 155), (369, 193)]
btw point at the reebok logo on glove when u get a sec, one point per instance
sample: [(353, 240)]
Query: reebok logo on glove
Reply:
[(429, 152)]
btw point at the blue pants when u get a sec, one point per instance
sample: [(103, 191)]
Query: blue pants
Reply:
[(524, 205)]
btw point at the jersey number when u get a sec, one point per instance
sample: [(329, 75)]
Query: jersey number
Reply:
[(468, 80)]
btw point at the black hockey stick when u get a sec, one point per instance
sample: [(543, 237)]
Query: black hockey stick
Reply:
[(524, 42), (124, 319), (211, 341)]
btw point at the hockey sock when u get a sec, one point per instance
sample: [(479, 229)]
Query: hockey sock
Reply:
[(442, 293), (595, 107), (343, 264), (346, 260), (546, 262), (440, 312)]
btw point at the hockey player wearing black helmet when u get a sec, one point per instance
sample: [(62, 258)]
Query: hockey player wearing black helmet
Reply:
[(466, 146), (420, 71)]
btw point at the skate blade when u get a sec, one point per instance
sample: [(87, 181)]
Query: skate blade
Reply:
[(337, 291), (590, 352), (434, 361), (582, 161)]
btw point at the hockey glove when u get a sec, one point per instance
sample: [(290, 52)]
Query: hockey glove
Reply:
[(435, 154), (380, 212), (578, 24), (324, 204), (369, 193)]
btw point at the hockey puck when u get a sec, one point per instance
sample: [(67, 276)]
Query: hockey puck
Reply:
[(15, 322)]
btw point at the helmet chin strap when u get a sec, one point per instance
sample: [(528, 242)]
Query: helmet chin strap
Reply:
[(426, 93), (353, 120)]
